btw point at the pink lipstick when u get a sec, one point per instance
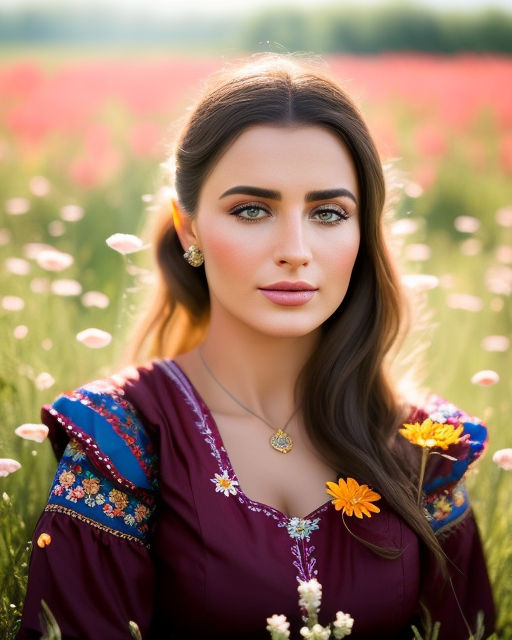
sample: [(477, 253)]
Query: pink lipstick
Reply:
[(289, 294)]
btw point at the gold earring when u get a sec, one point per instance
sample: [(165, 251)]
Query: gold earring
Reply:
[(194, 256)]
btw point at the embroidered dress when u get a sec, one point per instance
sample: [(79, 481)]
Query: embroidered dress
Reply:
[(148, 522)]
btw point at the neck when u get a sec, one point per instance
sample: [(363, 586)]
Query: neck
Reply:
[(259, 370)]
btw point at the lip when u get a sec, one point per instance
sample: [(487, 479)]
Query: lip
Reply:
[(289, 286), (289, 294)]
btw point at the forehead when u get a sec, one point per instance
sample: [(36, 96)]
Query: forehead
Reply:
[(277, 155)]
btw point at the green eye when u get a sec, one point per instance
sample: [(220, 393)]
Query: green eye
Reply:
[(249, 213), (329, 216)]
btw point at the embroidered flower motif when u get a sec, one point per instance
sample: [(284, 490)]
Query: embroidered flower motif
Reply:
[(108, 510), (93, 500), (58, 489), (67, 478), (75, 451), (442, 508), (140, 512), (353, 498), (301, 528), (129, 520), (224, 484), (431, 434), (75, 494), (119, 498), (91, 485)]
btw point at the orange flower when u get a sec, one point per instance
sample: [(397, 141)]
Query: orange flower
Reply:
[(44, 540), (353, 498), (430, 434)]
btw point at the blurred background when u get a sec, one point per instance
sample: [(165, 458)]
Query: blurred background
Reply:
[(91, 94)]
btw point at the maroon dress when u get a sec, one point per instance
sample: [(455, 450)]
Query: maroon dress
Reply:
[(148, 522)]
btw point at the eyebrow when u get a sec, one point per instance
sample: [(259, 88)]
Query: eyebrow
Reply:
[(271, 194)]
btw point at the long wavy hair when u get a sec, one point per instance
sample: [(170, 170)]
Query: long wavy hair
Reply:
[(350, 407)]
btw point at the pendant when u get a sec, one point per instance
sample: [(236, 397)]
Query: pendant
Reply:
[(281, 441)]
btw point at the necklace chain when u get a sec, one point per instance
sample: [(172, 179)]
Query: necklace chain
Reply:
[(280, 440)]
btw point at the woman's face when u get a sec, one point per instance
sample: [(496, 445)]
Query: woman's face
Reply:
[(278, 224)]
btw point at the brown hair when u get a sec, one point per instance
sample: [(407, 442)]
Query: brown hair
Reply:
[(350, 410)]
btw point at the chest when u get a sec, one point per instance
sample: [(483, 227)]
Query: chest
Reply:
[(293, 482)]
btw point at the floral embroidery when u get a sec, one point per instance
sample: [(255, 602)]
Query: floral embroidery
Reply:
[(443, 510), (79, 491), (302, 528), (104, 397), (224, 484)]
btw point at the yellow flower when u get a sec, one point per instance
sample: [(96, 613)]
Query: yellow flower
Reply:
[(430, 434), (353, 498)]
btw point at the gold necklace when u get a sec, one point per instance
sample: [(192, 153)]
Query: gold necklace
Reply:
[(280, 440)]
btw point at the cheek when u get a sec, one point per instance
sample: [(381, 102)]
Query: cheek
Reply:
[(225, 253), (343, 262)]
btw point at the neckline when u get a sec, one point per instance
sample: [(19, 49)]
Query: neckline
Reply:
[(205, 410)]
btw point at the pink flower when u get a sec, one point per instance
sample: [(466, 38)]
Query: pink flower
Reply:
[(12, 303), (36, 432), (17, 266), (503, 458), (417, 252), (495, 343), (32, 249), (405, 227), (40, 186), (94, 338), (466, 224), (53, 260), (471, 247), (66, 288), (124, 243), (44, 381), (420, 281), (20, 331), (413, 190), (464, 301), (485, 378), (504, 254), (17, 206), (95, 299), (7, 466), (504, 217), (72, 212)]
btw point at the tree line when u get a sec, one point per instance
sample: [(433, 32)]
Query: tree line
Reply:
[(355, 29)]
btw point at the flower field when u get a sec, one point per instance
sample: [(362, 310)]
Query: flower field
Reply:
[(81, 142)]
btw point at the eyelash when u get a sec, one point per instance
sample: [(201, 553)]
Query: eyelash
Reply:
[(236, 211)]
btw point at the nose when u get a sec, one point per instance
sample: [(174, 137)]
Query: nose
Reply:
[(292, 246)]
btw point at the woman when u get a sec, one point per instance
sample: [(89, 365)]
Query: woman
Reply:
[(191, 492)]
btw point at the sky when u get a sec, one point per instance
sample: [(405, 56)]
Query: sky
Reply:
[(244, 6)]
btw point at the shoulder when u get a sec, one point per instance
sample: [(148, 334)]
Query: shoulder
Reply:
[(455, 441), (107, 475), (107, 426)]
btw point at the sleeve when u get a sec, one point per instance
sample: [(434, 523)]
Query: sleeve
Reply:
[(455, 600), (91, 558)]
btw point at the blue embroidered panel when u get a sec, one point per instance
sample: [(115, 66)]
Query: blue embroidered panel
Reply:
[(444, 509), (115, 429), (473, 443), (80, 491)]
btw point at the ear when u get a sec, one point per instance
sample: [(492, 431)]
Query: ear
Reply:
[(184, 226)]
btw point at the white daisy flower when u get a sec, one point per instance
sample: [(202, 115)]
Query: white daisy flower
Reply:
[(224, 484)]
